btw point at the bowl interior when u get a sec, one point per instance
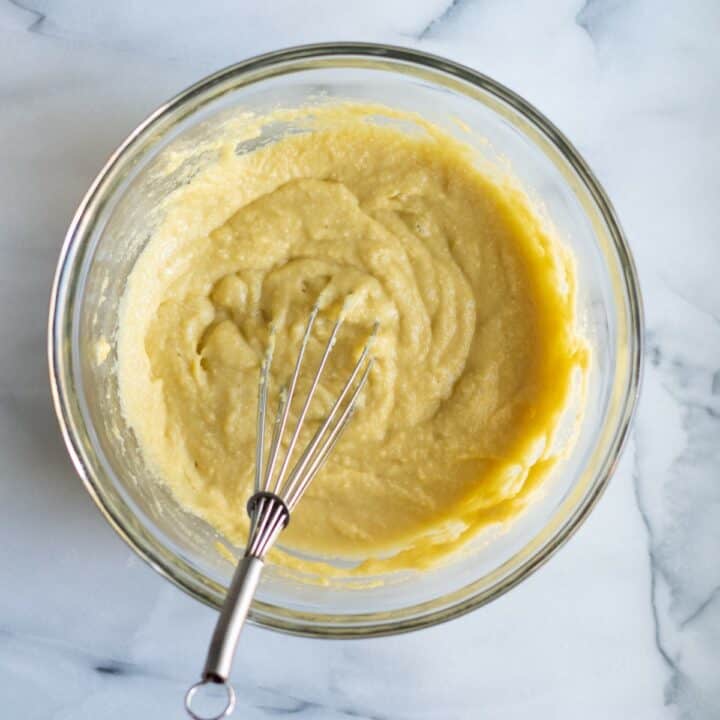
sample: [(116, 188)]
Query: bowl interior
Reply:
[(117, 219)]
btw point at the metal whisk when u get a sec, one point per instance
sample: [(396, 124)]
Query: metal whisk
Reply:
[(277, 491)]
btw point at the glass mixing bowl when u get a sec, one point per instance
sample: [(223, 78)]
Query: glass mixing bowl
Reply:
[(115, 220)]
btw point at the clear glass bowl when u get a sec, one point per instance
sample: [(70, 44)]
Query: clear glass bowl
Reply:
[(115, 219)]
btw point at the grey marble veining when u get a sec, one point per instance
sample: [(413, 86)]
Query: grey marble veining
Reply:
[(624, 622)]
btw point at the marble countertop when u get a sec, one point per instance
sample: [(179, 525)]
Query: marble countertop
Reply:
[(624, 622)]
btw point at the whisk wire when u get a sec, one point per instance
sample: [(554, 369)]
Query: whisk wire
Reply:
[(326, 448), (262, 411), (306, 405), (290, 393), (295, 478)]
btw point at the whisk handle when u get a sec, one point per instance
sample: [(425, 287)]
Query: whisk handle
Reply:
[(232, 618), (226, 635)]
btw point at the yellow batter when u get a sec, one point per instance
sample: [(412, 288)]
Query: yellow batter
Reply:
[(476, 355)]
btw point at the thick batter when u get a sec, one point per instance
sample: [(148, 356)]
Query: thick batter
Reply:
[(476, 354)]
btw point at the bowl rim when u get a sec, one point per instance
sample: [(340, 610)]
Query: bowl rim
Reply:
[(352, 624)]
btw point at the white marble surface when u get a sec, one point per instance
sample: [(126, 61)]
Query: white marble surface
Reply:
[(624, 622)]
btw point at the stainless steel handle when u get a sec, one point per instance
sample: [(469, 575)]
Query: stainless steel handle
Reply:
[(226, 635), (232, 618)]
